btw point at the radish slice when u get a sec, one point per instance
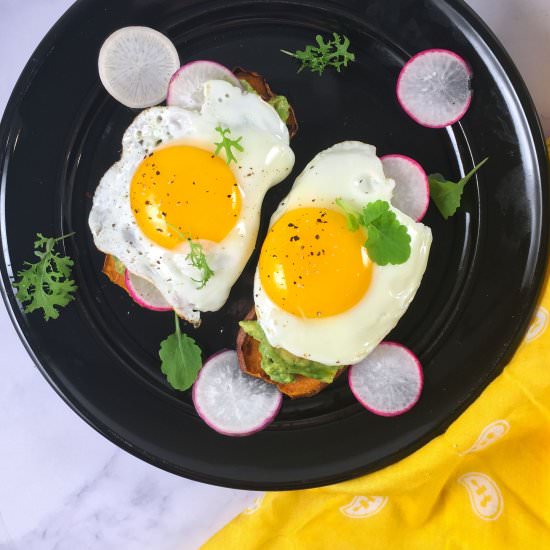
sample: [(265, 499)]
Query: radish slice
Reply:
[(186, 85), (231, 402), (389, 381), (434, 88), (412, 191), (135, 65), (145, 293)]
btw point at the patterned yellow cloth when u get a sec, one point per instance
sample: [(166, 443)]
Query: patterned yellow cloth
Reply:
[(485, 483)]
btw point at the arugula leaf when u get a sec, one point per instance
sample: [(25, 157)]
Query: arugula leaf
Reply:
[(46, 284), (332, 53), (181, 359), (197, 258), (447, 194), (227, 143), (388, 242)]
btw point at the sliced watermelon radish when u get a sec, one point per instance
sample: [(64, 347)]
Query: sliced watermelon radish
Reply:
[(135, 65), (434, 88), (145, 293), (388, 382), (186, 85), (231, 402), (412, 191)]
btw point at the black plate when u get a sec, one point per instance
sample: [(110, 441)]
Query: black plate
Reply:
[(61, 131)]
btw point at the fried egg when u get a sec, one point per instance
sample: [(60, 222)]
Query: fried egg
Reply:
[(169, 186), (316, 292)]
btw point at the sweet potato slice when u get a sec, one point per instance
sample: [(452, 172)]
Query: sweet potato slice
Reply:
[(109, 269), (250, 362)]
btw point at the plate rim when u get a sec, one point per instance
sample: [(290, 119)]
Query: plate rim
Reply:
[(537, 145)]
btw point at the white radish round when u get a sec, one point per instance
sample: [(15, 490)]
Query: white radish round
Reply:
[(388, 382), (186, 88), (135, 65), (434, 88), (412, 191), (231, 402), (144, 293)]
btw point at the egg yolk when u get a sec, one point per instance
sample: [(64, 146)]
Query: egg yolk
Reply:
[(311, 265), (182, 192)]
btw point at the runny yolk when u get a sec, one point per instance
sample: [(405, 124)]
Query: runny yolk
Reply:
[(181, 192), (311, 265)]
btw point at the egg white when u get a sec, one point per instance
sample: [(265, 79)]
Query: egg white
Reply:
[(349, 170), (266, 160)]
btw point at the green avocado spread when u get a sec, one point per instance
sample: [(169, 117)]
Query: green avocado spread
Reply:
[(281, 365)]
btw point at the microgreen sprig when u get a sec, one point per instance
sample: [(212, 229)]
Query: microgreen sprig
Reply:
[(332, 53), (47, 283), (227, 143), (196, 257)]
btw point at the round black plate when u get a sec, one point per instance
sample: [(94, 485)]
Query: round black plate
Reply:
[(61, 131)]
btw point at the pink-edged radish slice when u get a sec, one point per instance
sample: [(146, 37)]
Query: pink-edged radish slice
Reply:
[(434, 88), (231, 402), (186, 85), (412, 191), (144, 293), (135, 65), (388, 382)]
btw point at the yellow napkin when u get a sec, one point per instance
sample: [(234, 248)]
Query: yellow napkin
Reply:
[(485, 483)]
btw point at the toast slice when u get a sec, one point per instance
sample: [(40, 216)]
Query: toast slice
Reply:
[(250, 362)]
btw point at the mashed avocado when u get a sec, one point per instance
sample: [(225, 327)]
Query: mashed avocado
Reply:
[(282, 366)]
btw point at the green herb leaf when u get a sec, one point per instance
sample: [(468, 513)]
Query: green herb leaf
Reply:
[(447, 194), (46, 284), (374, 211), (197, 258), (226, 144), (388, 242), (181, 359), (281, 105), (332, 53)]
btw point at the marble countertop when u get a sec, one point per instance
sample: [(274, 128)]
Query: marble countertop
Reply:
[(62, 485)]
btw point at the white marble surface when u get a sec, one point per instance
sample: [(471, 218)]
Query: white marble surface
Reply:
[(62, 485)]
